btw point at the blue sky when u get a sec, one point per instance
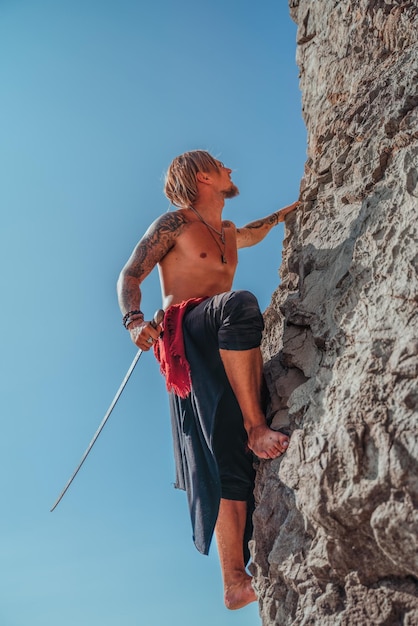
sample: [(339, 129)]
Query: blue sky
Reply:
[(97, 98)]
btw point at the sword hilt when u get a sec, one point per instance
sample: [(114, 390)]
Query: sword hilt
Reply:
[(158, 318)]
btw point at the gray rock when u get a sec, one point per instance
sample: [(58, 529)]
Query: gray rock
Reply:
[(335, 540)]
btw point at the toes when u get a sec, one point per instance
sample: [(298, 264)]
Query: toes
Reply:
[(275, 442), (264, 455), (279, 447), (281, 444), (272, 453)]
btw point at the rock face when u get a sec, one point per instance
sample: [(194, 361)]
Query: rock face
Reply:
[(336, 525)]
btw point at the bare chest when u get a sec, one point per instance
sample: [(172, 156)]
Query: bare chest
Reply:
[(207, 248)]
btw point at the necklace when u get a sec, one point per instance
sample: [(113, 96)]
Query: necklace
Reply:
[(211, 228)]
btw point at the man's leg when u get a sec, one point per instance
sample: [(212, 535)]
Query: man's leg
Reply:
[(244, 369), (230, 527), (232, 323)]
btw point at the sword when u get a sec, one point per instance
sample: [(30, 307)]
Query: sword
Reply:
[(158, 318)]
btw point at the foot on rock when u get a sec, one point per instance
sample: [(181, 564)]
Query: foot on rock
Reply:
[(267, 443)]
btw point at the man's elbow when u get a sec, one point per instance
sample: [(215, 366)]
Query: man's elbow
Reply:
[(127, 278), (122, 281)]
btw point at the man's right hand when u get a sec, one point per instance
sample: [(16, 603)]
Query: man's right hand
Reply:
[(143, 334)]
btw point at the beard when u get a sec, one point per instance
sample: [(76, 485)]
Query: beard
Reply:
[(231, 192)]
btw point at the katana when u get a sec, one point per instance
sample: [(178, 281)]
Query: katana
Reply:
[(158, 318)]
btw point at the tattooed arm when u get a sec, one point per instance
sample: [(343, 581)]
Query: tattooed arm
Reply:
[(159, 239), (255, 232)]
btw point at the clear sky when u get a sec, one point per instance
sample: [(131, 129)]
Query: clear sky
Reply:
[(97, 97)]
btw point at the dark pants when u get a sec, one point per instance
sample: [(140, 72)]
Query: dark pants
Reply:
[(230, 321), (212, 458)]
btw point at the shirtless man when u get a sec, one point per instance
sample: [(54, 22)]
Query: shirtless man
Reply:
[(196, 254)]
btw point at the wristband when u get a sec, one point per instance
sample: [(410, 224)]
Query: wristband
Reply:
[(127, 317)]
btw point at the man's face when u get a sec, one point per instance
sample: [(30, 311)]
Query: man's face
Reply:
[(226, 186)]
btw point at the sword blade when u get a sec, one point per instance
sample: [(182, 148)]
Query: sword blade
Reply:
[(158, 318), (99, 430)]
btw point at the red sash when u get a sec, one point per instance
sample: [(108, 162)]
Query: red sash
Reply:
[(169, 349)]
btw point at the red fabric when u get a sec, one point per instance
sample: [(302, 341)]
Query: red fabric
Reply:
[(169, 350)]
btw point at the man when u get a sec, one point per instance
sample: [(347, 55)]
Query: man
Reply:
[(210, 354)]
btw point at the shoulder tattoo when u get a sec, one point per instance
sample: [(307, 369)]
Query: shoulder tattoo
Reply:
[(156, 243)]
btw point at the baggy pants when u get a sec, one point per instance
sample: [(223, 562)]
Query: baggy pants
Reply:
[(211, 455)]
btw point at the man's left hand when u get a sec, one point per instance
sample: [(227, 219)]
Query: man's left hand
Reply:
[(287, 209)]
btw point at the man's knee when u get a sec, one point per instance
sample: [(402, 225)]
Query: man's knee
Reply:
[(242, 322), (242, 298)]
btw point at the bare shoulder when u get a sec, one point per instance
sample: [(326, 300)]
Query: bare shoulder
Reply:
[(167, 225), (157, 241), (162, 234), (230, 225)]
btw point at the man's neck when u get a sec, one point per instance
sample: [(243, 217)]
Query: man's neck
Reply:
[(210, 209)]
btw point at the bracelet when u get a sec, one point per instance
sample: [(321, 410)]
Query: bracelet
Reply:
[(131, 320), (126, 318), (134, 318)]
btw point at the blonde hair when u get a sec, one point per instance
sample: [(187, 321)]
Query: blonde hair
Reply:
[(180, 181)]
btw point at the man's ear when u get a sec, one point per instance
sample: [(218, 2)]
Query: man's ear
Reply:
[(203, 177)]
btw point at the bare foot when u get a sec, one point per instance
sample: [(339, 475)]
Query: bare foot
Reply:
[(267, 443), (239, 594)]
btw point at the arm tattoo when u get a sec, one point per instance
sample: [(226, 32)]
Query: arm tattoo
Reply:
[(270, 220), (254, 232), (158, 240), (154, 245)]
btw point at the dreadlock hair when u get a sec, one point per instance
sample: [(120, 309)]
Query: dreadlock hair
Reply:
[(180, 181)]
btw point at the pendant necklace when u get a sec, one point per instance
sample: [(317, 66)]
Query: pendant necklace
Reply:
[(211, 228)]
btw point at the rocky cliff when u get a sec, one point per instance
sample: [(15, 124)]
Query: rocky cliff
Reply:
[(336, 524)]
